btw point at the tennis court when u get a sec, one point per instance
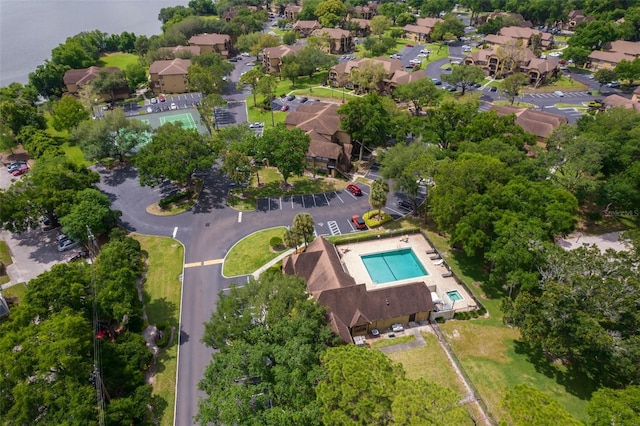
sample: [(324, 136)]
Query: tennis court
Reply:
[(190, 119), (186, 120)]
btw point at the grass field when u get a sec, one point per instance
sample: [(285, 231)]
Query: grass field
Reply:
[(429, 362), (75, 154), (5, 259), (496, 360), (120, 60), (17, 290), (252, 252), (161, 294), (492, 353)]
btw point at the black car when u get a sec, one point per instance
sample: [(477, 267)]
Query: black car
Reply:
[(493, 89), (303, 100), (291, 97)]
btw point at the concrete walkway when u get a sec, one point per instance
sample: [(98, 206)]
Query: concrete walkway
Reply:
[(268, 265)]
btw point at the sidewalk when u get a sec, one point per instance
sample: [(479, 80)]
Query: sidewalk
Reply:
[(268, 265)]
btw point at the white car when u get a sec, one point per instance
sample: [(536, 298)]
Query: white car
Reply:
[(256, 125), (396, 328), (67, 244), (422, 55), (173, 105), (149, 109), (425, 51)]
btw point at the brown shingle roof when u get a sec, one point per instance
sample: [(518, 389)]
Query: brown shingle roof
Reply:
[(171, 67), (613, 101), (334, 33), (320, 267), (209, 39), (427, 22), (417, 29), (306, 25), (280, 51), (85, 75), (631, 48), (539, 123), (608, 56), (321, 117), (497, 39), (363, 23), (355, 305)]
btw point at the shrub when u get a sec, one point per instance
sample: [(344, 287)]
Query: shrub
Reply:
[(275, 243), (482, 312), (440, 320), (165, 331), (167, 201), (372, 221)]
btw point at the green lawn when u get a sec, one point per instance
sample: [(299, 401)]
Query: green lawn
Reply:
[(515, 104), (326, 92), (492, 353), (75, 154), (161, 294), (17, 290), (5, 259), (252, 252), (496, 360), (120, 60), (429, 362)]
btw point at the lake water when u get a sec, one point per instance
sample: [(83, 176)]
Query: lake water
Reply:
[(30, 29)]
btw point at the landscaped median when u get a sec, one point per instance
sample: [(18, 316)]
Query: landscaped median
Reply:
[(162, 290), (253, 252)]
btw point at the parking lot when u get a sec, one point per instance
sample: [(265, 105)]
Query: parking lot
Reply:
[(397, 206)]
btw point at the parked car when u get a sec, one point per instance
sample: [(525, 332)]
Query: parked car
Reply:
[(613, 85), (61, 237), (436, 81), (154, 100), (425, 51), (358, 222), (77, 255), (12, 167), (375, 332), (559, 93), (161, 98), (493, 89), (409, 45), (284, 108), (291, 98), (256, 125), (595, 104), (20, 170), (67, 244), (303, 100), (396, 328), (149, 110), (354, 189), (173, 105)]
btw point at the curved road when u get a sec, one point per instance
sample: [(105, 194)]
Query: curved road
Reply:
[(208, 231)]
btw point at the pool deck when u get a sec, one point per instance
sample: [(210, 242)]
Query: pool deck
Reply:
[(351, 253)]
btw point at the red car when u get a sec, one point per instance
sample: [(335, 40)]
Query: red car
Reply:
[(409, 45), (20, 171), (161, 98), (358, 222), (284, 108), (354, 189)]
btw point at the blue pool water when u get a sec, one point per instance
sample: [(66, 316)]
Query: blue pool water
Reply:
[(454, 295), (393, 266)]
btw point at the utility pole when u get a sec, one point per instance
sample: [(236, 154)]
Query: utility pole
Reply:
[(96, 374)]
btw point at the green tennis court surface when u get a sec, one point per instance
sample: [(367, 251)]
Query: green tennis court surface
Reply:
[(144, 121), (185, 119)]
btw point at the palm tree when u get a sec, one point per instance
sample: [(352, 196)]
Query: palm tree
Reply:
[(378, 196), (303, 226)]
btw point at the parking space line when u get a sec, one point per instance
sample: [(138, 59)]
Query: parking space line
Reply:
[(280, 203), (239, 217), (397, 212), (326, 198), (303, 204)]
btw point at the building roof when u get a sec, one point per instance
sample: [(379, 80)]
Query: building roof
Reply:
[(280, 51), (170, 67), (319, 265), (631, 48), (306, 25), (85, 75), (293, 8), (608, 56), (172, 52), (403, 77), (209, 39), (427, 22), (497, 39), (390, 65), (349, 304), (515, 16), (354, 305), (334, 33), (613, 101), (539, 123), (363, 23), (417, 29)]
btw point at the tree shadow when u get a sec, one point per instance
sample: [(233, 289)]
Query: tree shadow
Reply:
[(117, 176), (183, 338), (213, 193), (575, 382), (42, 246), (473, 267), (160, 310)]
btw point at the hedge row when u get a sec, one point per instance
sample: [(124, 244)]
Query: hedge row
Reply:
[(167, 201)]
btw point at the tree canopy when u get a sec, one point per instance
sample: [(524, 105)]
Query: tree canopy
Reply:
[(285, 149)]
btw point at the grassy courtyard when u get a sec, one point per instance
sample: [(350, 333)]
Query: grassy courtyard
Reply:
[(252, 252)]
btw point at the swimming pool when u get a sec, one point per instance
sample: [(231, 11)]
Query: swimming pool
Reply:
[(454, 295), (393, 265)]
